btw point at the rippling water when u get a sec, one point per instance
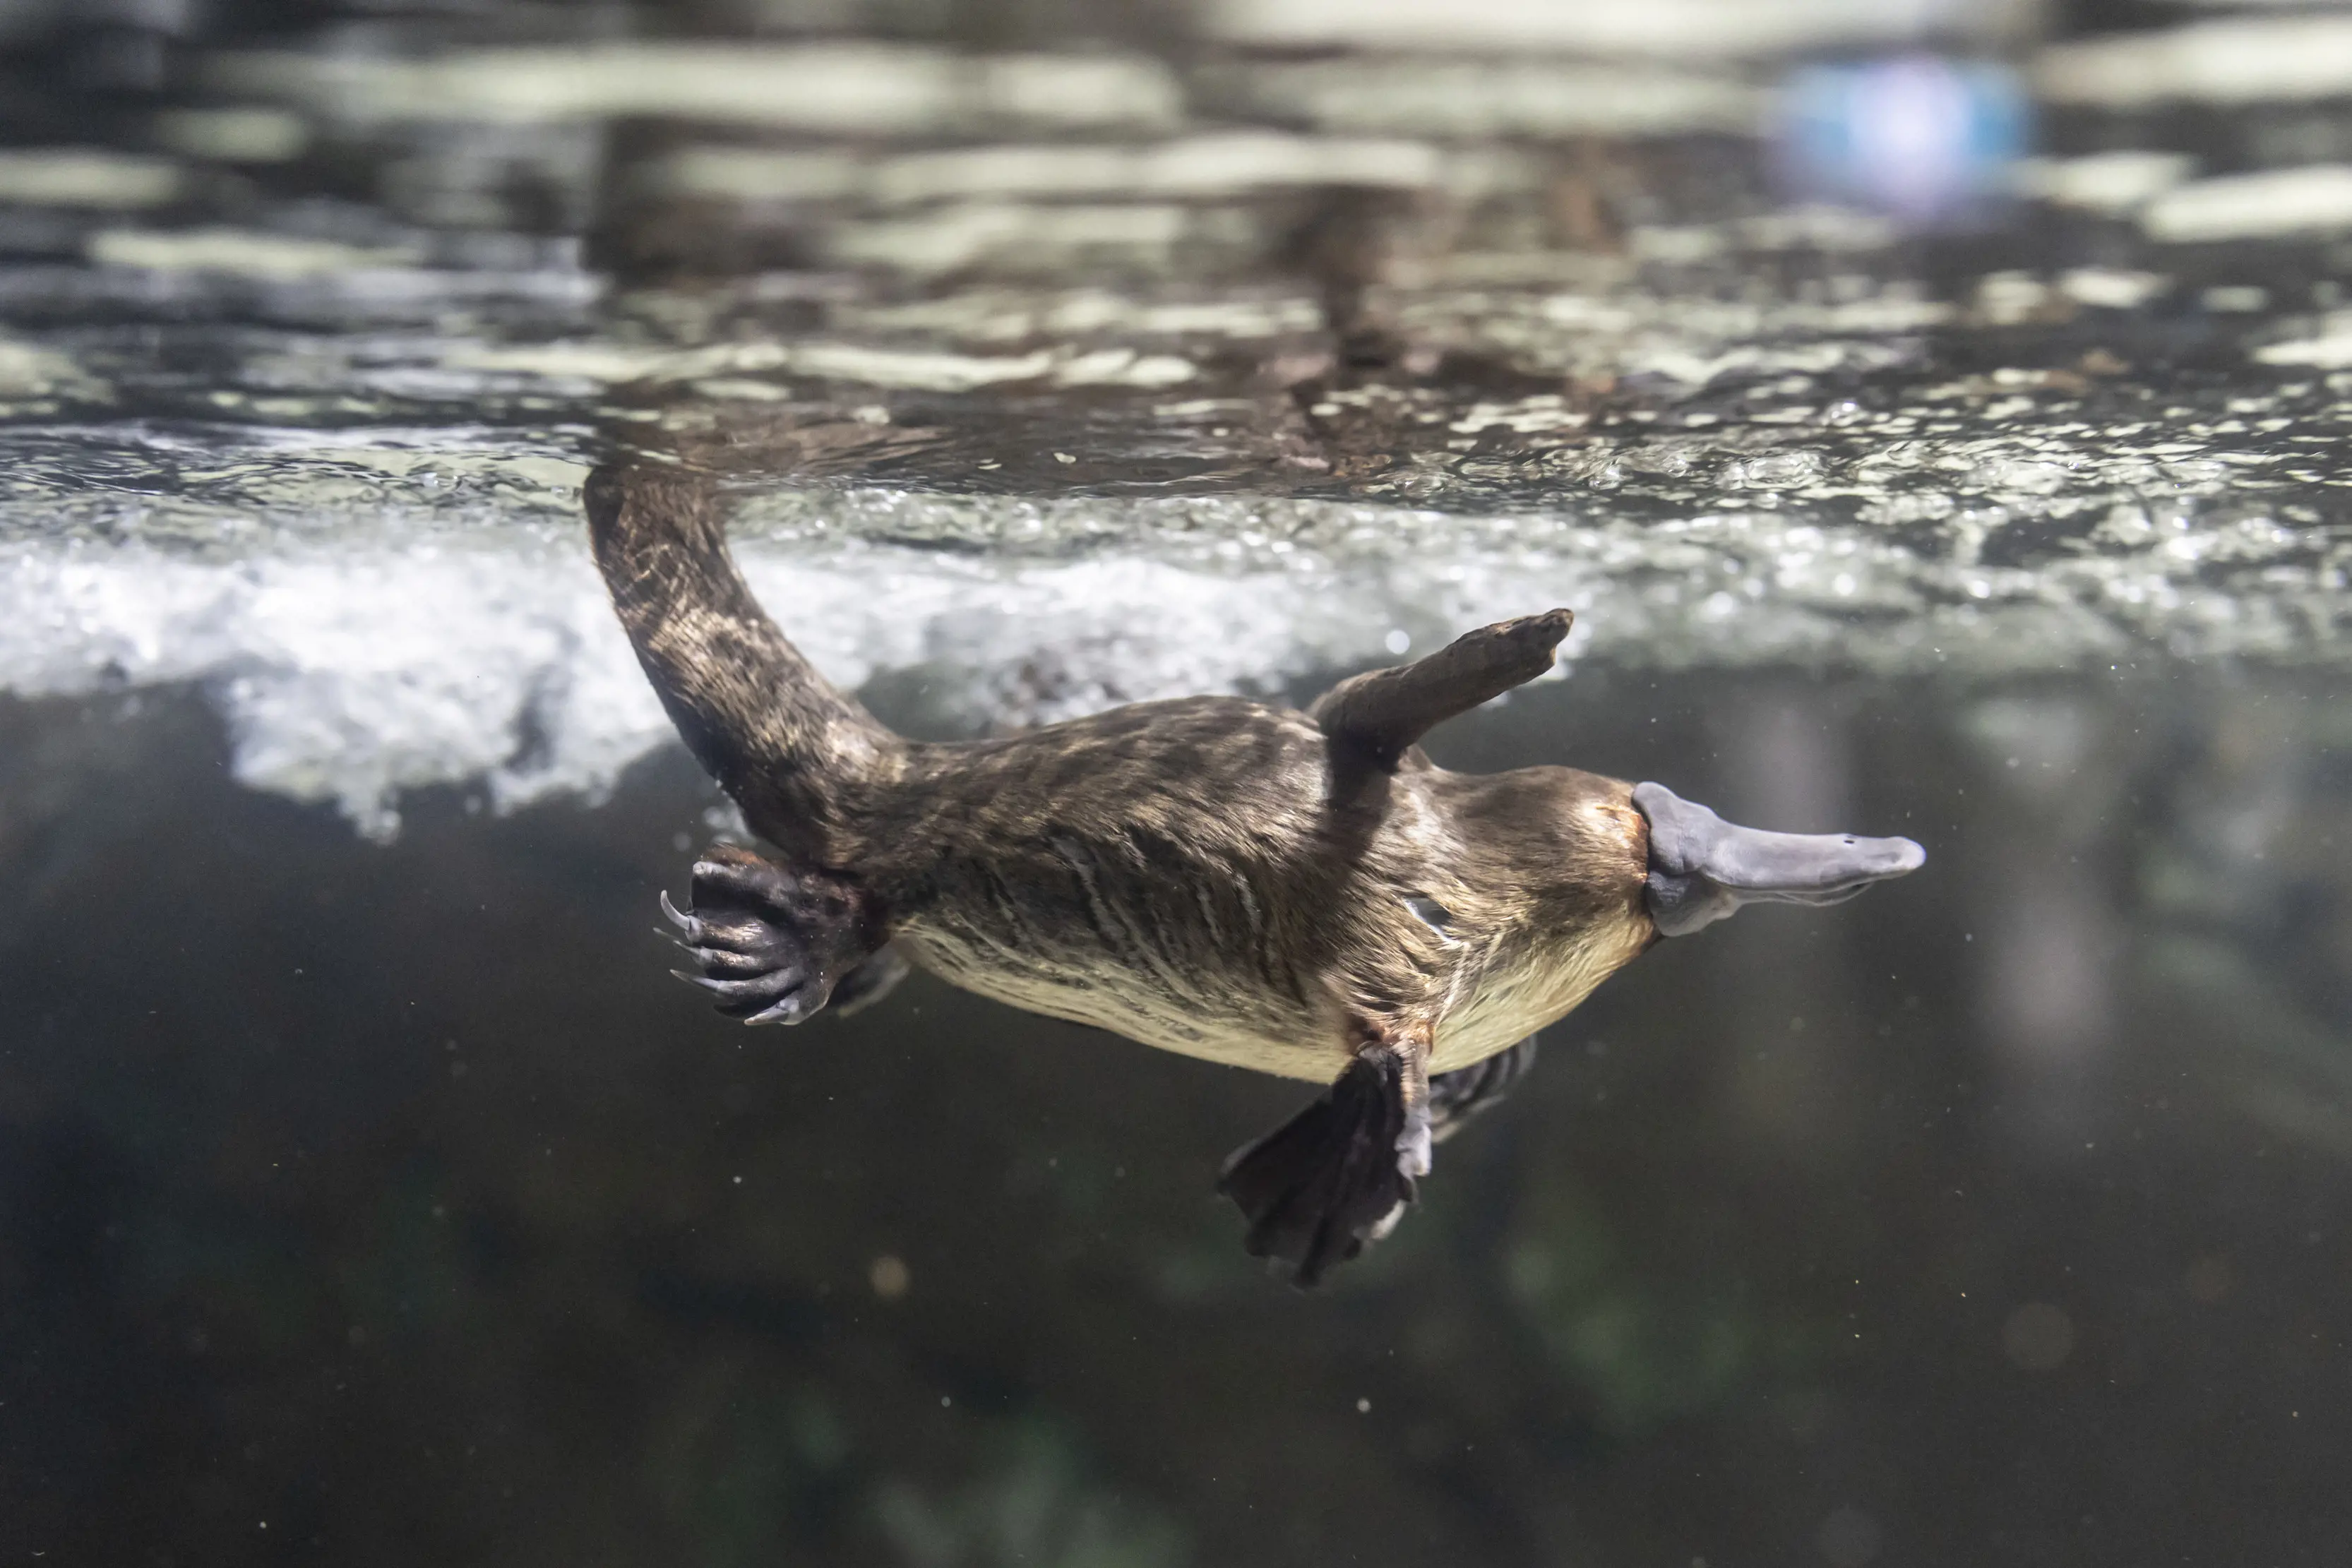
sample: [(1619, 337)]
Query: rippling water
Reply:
[(368, 1192)]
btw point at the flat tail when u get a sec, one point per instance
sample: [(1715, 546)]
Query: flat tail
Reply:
[(1317, 1188), (774, 732)]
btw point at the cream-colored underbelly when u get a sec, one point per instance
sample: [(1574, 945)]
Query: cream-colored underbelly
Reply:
[(1510, 1002), (1283, 1042), (1501, 1007)]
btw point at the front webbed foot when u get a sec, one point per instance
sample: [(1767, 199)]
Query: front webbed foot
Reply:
[(1339, 1174), (770, 944)]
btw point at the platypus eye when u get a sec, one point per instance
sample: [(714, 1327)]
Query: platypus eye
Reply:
[(1431, 913)]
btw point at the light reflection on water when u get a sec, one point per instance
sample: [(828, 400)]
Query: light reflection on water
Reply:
[(379, 1187)]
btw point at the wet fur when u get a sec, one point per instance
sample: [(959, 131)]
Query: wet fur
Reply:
[(1210, 875), (1297, 893)]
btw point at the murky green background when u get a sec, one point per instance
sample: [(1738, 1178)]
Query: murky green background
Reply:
[(369, 1194)]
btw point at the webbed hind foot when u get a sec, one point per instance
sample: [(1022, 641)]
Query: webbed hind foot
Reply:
[(773, 944), (1466, 1092)]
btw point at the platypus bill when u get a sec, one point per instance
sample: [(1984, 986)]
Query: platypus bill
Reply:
[(1303, 893)]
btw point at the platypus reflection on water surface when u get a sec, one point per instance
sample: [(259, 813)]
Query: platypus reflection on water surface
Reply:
[(1303, 893)]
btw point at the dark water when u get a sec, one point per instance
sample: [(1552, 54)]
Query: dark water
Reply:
[(391, 1204), (369, 1194)]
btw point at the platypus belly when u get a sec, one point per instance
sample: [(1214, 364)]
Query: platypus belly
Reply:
[(1175, 951), (1501, 1002), (1150, 992), (1248, 961), (1130, 1004)]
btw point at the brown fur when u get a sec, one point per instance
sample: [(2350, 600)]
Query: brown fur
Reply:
[(1211, 875)]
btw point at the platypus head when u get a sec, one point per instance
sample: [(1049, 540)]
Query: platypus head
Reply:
[(1702, 868)]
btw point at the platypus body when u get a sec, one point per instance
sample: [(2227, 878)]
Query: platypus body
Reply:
[(1303, 893)]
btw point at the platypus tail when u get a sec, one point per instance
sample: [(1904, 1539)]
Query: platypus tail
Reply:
[(791, 749)]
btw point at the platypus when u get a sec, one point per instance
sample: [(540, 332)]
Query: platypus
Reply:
[(1299, 893)]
